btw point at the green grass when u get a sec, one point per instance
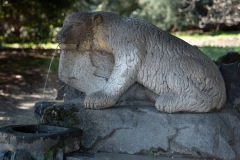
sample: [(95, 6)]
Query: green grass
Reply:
[(31, 45), (214, 36), (212, 51), (215, 52)]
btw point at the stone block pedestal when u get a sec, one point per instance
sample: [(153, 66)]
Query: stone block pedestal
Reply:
[(142, 130)]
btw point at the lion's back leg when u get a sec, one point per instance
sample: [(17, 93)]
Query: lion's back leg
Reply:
[(184, 95)]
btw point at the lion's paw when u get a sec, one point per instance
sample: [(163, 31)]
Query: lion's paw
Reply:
[(99, 100), (166, 103)]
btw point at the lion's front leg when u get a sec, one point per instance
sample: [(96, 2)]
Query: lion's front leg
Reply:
[(123, 76)]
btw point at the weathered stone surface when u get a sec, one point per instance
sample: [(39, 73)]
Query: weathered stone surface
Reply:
[(38, 141), (104, 55), (231, 76), (140, 130), (22, 154), (71, 93), (115, 156)]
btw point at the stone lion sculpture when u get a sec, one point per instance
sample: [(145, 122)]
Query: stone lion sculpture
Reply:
[(179, 76)]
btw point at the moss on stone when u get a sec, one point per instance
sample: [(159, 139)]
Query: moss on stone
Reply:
[(52, 152), (48, 155), (60, 116)]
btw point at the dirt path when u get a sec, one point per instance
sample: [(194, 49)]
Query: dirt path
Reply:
[(22, 76), (19, 108)]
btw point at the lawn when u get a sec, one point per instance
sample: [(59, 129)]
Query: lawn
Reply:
[(213, 44), (205, 36), (215, 52)]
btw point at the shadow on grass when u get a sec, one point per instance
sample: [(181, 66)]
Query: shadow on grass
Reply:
[(215, 52)]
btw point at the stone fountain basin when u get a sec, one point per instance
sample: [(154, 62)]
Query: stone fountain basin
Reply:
[(40, 138)]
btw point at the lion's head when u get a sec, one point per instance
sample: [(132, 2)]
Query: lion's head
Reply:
[(77, 31)]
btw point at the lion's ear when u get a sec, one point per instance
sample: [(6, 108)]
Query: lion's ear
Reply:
[(97, 19)]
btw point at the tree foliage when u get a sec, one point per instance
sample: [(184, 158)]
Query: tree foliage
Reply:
[(221, 12), (37, 20), (31, 20)]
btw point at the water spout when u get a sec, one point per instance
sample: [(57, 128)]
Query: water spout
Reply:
[(45, 84)]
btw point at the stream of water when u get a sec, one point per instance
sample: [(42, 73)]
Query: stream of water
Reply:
[(46, 80)]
